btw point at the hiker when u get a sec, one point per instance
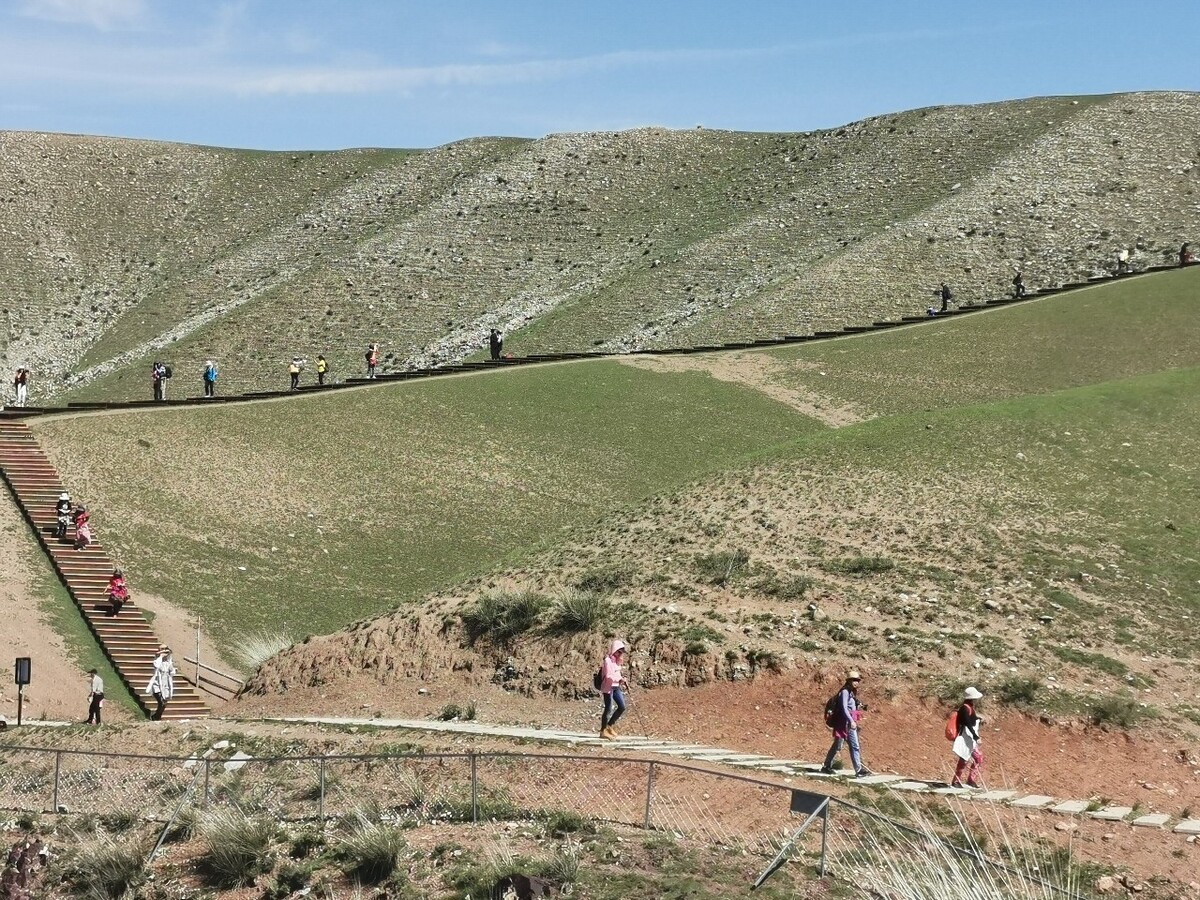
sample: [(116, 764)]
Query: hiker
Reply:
[(495, 342), (944, 293), (62, 515), (931, 312), (294, 371), (612, 683), (158, 378), (83, 527), (210, 378), (846, 714), (1122, 261), (21, 386), (372, 359), (1185, 259), (1018, 283), (162, 682), (95, 697), (963, 729), (118, 592), (322, 367)]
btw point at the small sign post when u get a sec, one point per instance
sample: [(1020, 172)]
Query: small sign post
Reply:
[(23, 670)]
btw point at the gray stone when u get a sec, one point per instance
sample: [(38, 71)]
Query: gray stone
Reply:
[(1153, 820), (236, 761), (879, 779), (994, 796), (916, 787), (1071, 807), (1112, 813), (1188, 826), (1033, 801)]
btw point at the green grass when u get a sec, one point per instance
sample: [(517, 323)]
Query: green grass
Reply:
[(339, 507)]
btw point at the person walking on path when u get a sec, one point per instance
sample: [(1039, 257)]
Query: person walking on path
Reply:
[(21, 386), (322, 368), (944, 293), (210, 378), (612, 684), (495, 343), (162, 682), (1185, 259), (966, 740), (118, 592), (294, 371), (158, 378), (847, 714), (1122, 261), (372, 359), (1018, 283), (95, 697)]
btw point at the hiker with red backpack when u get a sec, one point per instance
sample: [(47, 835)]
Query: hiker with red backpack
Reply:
[(962, 727), (843, 713), (611, 683)]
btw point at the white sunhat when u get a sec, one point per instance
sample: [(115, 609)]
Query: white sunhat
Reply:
[(972, 694)]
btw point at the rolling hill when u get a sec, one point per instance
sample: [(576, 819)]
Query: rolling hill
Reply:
[(117, 252)]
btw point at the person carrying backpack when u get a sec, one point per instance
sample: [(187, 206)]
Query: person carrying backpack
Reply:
[(372, 359), (611, 684), (963, 729), (842, 715), (322, 368), (210, 378)]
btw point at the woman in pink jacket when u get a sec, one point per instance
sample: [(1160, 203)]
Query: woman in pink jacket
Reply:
[(611, 684)]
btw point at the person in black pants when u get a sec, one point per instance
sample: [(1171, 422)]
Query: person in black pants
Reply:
[(95, 697), (495, 343), (946, 296)]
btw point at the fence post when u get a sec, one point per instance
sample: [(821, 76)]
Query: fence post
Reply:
[(474, 787), (57, 772), (649, 794), (207, 766), (824, 836), (321, 796)]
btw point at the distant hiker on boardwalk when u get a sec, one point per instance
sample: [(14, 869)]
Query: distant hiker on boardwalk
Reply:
[(843, 713), (495, 343), (612, 683), (963, 729), (294, 368), (62, 515), (1018, 284), (322, 368), (162, 682), (118, 592), (944, 293), (95, 697), (372, 359), (21, 386), (158, 379), (1122, 261), (1185, 259), (210, 378)]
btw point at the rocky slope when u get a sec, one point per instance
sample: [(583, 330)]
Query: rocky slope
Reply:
[(114, 252)]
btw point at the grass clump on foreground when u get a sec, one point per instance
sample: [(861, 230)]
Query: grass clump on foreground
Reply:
[(338, 507)]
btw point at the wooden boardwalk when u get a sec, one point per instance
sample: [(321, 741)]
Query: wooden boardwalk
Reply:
[(126, 639)]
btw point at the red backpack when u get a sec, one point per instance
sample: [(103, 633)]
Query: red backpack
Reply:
[(952, 722)]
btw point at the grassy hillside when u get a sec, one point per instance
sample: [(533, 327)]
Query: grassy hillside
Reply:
[(117, 252), (304, 516), (1034, 512)]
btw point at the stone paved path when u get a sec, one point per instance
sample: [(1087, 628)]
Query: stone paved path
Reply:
[(788, 768)]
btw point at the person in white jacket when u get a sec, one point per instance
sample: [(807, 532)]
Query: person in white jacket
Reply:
[(162, 682)]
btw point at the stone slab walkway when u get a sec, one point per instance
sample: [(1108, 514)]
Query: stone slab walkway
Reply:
[(790, 768)]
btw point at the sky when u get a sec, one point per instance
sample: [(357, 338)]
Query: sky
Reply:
[(328, 74)]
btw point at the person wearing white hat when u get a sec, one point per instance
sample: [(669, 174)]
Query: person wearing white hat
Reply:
[(966, 740)]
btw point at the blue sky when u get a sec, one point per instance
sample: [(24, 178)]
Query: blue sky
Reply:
[(324, 74)]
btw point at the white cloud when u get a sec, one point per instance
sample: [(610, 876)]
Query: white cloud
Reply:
[(102, 14)]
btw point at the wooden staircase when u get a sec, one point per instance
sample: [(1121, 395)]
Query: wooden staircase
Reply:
[(126, 639)]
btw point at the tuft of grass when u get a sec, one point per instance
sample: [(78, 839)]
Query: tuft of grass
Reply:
[(289, 878), (120, 820), (722, 567), (605, 579), (237, 847), (1018, 691), (501, 617), (579, 611), (784, 587), (450, 712), (105, 866), (257, 647), (563, 866), (1097, 661), (858, 565), (371, 852), (1122, 711), (561, 822)]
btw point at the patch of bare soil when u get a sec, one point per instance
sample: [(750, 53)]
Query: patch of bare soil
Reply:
[(757, 371)]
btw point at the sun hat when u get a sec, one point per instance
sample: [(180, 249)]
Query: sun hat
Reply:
[(972, 694), (853, 675)]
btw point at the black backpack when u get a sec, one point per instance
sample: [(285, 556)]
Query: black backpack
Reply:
[(833, 710), (598, 678)]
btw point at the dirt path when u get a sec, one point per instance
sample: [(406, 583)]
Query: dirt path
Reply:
[(757, 371)]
